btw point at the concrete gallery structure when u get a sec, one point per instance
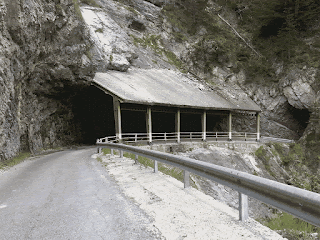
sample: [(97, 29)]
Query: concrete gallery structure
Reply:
[(163, 90)]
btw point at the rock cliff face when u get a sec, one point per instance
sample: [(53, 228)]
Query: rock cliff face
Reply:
[(49, 53), (138, 34), (42, 55)]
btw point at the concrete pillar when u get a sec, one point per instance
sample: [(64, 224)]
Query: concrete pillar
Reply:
[(204, 125), (149, 124), (243, 207), (117, 118), (258, 126), (177, 125), (230, 126)]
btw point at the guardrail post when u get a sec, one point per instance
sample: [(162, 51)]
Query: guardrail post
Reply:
[(245, 136), (136, 159), (155, 166), (216, 137), (136, 138), (165, 136), (121, 153), (99, 150), (243, 207), (112, 153), (186, 178)]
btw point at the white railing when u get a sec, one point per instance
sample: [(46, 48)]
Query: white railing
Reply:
[(298, 202), (279, 140), (182, 136)]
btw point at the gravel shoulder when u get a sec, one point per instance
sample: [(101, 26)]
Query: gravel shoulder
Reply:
[(177, 212)]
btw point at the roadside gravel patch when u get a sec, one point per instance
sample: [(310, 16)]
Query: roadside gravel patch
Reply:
[(181, 213)]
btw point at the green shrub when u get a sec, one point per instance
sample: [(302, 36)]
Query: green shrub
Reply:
[(166, 169), (262, 154), (99, 30), (91, 3), (295, 153), (152, 41), (295, 226), (77, 9)]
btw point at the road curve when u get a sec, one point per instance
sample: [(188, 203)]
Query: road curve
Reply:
[(68, 195)]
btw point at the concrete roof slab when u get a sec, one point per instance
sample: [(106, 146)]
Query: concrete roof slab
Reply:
[(168, 88)]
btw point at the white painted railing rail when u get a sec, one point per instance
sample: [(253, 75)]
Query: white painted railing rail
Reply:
[(298, 202), (181, 136)]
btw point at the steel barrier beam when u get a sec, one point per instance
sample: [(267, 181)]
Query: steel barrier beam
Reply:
[(298, 202)]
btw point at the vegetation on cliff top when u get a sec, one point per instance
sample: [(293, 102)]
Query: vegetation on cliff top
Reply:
[(282, 31)]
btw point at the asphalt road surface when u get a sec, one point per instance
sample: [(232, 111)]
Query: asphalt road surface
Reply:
[(68, 195)]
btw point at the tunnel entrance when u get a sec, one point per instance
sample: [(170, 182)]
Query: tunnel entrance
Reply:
[(93, 117), (300, 117), (217, 123), (133, 121), (93, 114), (163, 122), (191, 122)]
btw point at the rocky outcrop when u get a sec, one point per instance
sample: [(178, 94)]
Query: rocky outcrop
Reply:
[(42, 55), (121, 35), (298, 88), (48, 51)]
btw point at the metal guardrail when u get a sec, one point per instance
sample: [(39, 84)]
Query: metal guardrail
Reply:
[(182, 136), (272, 139), (298, 202)]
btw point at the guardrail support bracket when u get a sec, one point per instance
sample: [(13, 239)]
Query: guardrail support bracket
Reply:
[(121, 154)]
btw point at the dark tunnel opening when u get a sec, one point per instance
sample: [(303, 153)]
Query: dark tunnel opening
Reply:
[(163, 122), (93, 114), (93, 118), (272, 28), (133, 121), (301, 117), (216, 123), (191, 122)]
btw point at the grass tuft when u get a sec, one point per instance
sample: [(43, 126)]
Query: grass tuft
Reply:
[(91, 3), (77, 9), (154, 42), (14, 161), (106, 150), (294, 227)]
